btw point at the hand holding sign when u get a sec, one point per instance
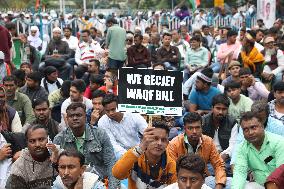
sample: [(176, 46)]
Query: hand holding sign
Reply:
[(155, 92)]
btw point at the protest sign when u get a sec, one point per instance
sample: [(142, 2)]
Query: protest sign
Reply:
[(148, 91)]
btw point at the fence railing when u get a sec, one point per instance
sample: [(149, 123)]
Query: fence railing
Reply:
[(130, 24)]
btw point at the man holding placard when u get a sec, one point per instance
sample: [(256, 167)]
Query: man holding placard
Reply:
[(148, 165)]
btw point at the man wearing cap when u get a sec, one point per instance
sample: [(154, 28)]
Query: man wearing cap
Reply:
[(57, 53), (45, 23), (201, 96), (234, 69), (129, 39), (274, 61), (51, 82)]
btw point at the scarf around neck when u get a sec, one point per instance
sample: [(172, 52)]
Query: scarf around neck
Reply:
[(251, 58)]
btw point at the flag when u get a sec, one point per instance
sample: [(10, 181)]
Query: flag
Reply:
[(194, 4)]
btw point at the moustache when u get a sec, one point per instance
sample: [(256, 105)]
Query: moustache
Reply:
[(220, 116), (40, 148), (66, 177)]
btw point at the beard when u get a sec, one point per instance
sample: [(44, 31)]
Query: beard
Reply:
[(57, 39), (270, 52), (280, 101), (220, 117)]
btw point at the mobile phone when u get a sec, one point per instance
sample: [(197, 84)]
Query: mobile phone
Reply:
[(49, 141)]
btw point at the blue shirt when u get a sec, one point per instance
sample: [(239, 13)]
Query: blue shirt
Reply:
[(203, 100)]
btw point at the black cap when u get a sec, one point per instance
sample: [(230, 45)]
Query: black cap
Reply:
[(49, 70)]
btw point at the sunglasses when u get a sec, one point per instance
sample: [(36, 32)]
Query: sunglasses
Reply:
[(129, 39)]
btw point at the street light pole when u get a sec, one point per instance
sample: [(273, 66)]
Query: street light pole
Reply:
[(84, 6), (60, 5), (63, 6)]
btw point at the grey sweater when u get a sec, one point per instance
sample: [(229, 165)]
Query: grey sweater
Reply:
[(26, 173)]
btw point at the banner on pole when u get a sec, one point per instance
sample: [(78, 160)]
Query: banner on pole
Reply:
[(147, 91), (266, 10)]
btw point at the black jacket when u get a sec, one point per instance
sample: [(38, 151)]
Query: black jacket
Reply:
[(224, 131)]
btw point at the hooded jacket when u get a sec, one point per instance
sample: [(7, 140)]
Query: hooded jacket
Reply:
[(90, 181), (26, 173)]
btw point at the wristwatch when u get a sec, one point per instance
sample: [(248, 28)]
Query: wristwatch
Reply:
[(137, 151)]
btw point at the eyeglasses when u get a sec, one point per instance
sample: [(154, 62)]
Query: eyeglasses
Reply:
[(129, 39)]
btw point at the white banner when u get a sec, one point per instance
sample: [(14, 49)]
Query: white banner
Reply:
[(266, 10)]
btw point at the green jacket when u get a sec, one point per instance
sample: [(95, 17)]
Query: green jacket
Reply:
[(23, 106)]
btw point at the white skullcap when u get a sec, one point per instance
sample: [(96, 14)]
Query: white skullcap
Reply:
[(129, 35), (2, 56), (56, 29), (34, 28), (183, 23), (137, 28)]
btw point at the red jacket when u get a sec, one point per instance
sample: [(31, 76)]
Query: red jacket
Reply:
[(277, 176), (114, 90)]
